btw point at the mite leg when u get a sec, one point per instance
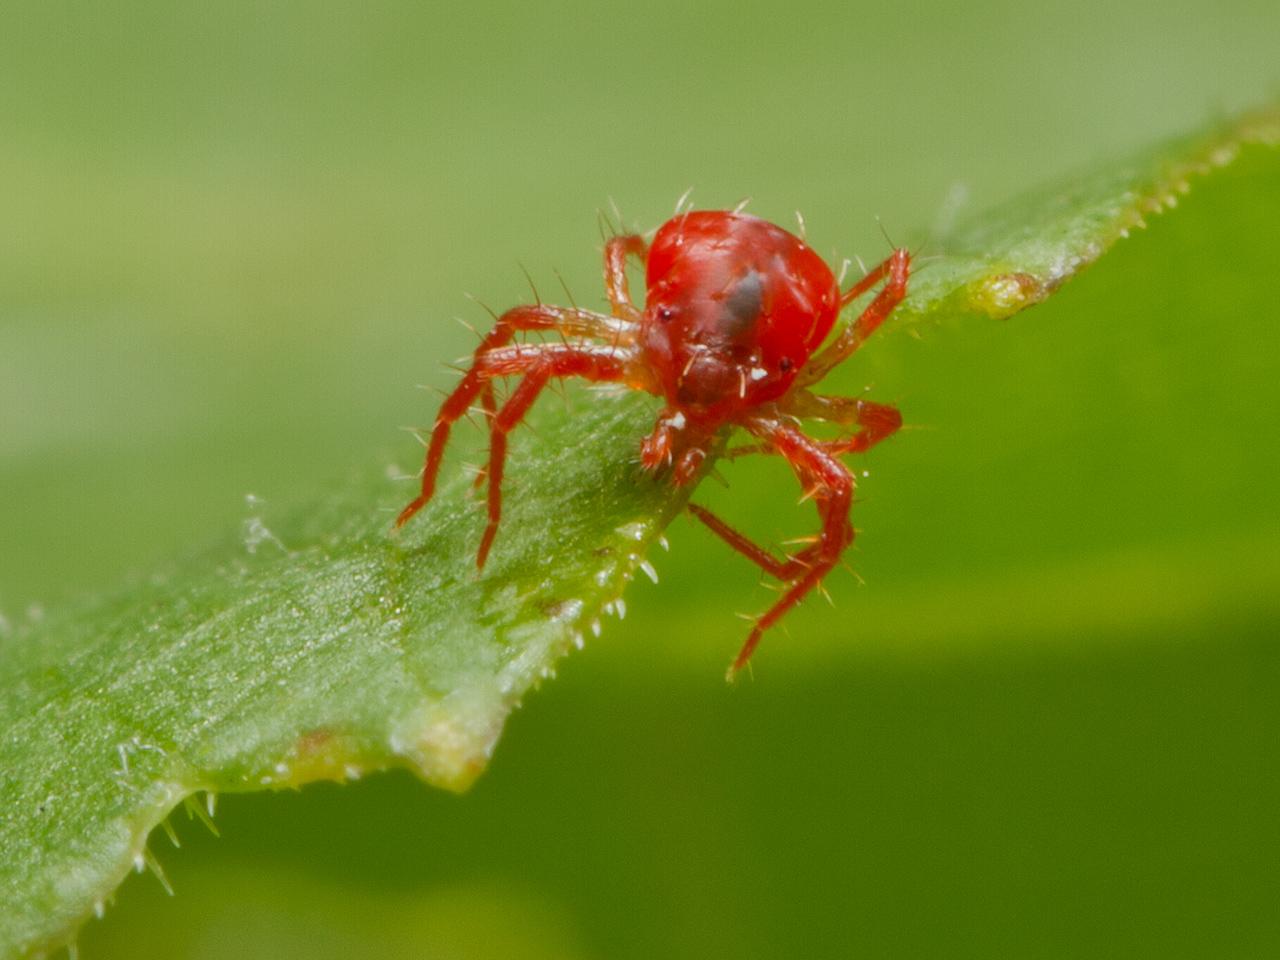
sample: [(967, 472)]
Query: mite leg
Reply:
[(875, 421), (616, 285), (512, 412), (785, 570), (454, 407), (569, 321), (894, 271), (833, 486), (566, 321), (554, 360)]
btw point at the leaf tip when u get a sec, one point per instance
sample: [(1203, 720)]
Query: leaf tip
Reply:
[(446, 745)]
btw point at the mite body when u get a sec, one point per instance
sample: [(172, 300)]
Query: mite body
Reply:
[(736, 311)]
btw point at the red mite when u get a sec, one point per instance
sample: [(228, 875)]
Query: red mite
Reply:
[(735, 311)]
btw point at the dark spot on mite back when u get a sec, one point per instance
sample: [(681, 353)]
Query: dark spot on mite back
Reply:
[(742, 304)]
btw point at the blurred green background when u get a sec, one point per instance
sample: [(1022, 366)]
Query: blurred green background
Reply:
[(232, 237)]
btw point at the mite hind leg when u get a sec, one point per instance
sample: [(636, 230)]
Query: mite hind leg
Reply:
[(874, 421), (832, 487), (786, 569)]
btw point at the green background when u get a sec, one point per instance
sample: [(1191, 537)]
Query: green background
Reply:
[(231, 240)]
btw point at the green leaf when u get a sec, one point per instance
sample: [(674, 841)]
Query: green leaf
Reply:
[(314, 646), (1016, 256)]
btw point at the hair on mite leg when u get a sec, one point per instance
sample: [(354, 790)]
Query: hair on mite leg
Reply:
[(809, 494), (565, 287), (607, 230), (483, 306), (560, 389), (853, 573), (917, 255), (416, 433), (885, 233), (533, 288), (712, 473), (465, 325), (924, 263), (821, 588)]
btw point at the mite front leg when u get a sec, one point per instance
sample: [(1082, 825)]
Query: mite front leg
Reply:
[(894, 271), (573, 322), (506, 419), (833, 493), (616, 284), (539, 365), (455, 405)]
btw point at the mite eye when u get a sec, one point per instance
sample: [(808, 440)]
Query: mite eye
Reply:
[(665, 314), (785, 364)]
